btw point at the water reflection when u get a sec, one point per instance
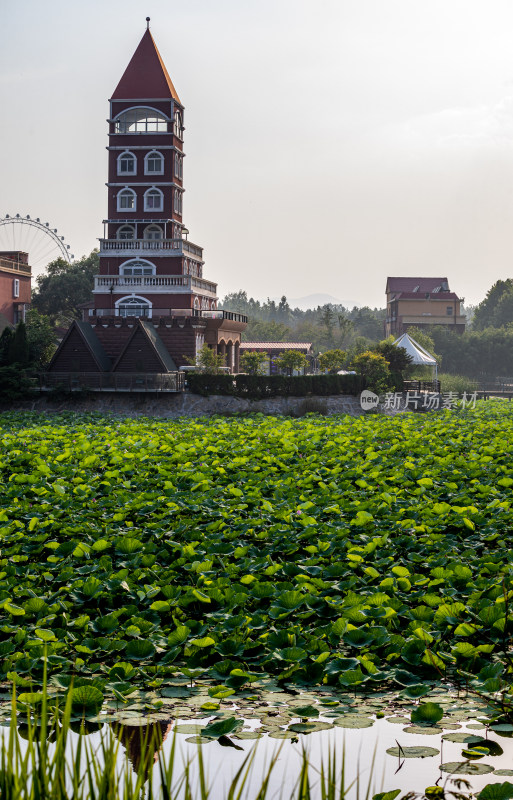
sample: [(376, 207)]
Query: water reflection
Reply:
[(142, 744)]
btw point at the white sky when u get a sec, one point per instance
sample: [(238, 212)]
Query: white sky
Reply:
[(329, 143)]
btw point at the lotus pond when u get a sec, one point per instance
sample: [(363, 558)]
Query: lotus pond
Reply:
[(303, 574)]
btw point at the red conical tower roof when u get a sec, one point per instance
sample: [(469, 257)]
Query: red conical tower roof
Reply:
[(146, 75)]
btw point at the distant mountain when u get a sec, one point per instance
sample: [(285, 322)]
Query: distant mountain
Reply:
[(314, 300)]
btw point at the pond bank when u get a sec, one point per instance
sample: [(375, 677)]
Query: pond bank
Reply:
[(186, 404)]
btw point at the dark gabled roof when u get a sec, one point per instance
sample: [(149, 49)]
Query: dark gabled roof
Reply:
[(155, 341), (91, 341), (146, 75), (158, 344), (94, 344)]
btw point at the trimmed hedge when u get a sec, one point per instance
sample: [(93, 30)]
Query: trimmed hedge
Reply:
[(258, 387)]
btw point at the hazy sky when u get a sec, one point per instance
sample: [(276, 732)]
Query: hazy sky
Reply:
[(329, 143)]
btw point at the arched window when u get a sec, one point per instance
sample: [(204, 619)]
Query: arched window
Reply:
[(126, 232), (127, 163), (137, 266), (196, 303), (153, 232), (127, 200), (153, 200), (134, 307), (177, 201), (141, 120), (154, 163), (178, 165), (177, 126), (185, 267)]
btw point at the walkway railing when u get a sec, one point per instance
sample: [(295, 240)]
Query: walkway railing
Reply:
[(111, 381), (421, 386)]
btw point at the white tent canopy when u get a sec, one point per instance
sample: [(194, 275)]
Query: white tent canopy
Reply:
[(420, 356)]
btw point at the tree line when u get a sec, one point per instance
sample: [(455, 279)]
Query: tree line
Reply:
[(484, 350)]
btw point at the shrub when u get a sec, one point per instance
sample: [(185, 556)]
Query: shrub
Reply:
[(15, 384), (374, 369)]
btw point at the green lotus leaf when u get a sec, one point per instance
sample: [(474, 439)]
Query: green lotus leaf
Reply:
[(86, 697), (413, 752), (427, 712), (140, 649)]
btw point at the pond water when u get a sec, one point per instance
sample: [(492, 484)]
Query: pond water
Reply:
[(376, 751)]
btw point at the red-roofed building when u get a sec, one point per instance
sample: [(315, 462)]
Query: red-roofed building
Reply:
[(422, 303), (148, 268)]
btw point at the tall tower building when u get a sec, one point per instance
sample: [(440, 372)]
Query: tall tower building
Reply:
[(152, 309), (148, 268)]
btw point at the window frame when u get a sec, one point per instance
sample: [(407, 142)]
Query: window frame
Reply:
[(120, 125), (16, 287), (147, 157), (124, 228), (153, 229), (153, 191), (146, 268), (136, 302), (134, 161), (123, 192)]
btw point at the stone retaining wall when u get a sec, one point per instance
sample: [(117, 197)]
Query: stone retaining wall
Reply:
[(191, 405)]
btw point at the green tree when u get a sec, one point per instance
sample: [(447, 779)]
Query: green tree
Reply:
[(41, 338), (397, 357), (484, 313), (328, 320), (375, 369), (18, 349), (263, 331), (254, 363), (290, 361), (64, 287), (345, 327), (332, 360), (5, 344), (207, 360)]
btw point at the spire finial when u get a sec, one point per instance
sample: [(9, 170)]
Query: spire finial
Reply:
[(147, 23)]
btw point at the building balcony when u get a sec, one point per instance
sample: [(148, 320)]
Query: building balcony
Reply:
[(9, 265), (150, 247), (156, 284), (219, 314), (433, 319)]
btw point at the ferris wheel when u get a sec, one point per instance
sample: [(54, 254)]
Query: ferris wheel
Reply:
[(42, 242)]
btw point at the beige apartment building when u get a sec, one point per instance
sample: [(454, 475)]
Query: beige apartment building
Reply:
[(422, 303)]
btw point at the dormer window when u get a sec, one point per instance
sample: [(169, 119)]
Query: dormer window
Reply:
[(154, 163), (125, 233), (141, 120), (127, 164), (127, 200), (153, 200)]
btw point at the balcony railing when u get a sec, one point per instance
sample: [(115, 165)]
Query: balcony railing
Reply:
[(152, 313), (151, 246), (17, 266), (111, 381), (179, 284)]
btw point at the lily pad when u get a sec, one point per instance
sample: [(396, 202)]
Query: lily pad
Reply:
[(466, 768), (413, 752)]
